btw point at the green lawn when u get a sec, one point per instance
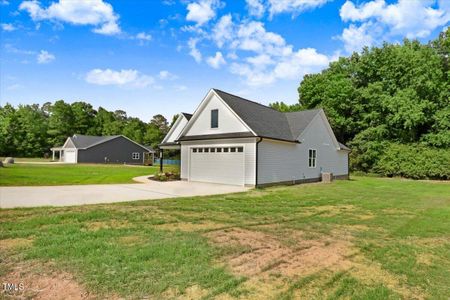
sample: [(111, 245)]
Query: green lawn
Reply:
[(367, 238), (29, 159), (66, 174)]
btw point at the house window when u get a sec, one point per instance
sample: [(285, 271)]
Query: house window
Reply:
[(232, 149), (219, 149), (206, 150), (200, 149), (194, 150), (312, 158), (214, 118), (225, 149), (135, 155), (240, 149), (212, 150)]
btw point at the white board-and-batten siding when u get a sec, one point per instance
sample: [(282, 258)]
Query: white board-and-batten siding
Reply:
[(178, 127), (282, 161), (228, 121)]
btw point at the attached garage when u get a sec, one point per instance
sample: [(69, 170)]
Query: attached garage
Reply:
[(217, 165), (70, 155)]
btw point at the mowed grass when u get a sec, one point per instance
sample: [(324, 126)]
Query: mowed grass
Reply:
[(67, 174), (367, 238), (29, 159)]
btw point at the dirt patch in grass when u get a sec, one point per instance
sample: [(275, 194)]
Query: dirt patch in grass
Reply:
[(113, 224), (428, 243), (12, 244), (264, 288), (188, 226), (372, 273), (425, 259), (366, 216), (331, 210), (192, 292), (269, 262), (33, 282), (130, 240), (268, 255)]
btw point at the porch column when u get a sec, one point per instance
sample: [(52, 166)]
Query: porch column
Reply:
[(161, 157), (53, 155)]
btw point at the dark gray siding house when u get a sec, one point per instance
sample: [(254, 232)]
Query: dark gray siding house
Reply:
[(115, 149)]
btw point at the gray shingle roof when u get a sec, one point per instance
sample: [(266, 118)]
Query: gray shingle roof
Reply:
[(187, 116), (299, 120), (85, 141), (266, 121), (343, 147)]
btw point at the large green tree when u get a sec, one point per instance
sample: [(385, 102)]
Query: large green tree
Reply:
[(31, 130), (84, 118), (60, 123), (396, 93)]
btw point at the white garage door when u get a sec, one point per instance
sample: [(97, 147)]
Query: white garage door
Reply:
[(217, 165), (70, 156)]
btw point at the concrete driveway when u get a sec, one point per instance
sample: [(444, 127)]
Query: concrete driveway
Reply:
[(33, 196)]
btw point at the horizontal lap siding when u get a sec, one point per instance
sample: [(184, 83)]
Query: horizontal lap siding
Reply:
[(249, 155), (280, 161)]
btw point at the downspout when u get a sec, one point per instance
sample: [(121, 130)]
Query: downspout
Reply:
[(256, 174)]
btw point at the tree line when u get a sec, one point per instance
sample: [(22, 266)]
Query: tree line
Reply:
[(31, 130), (390, 104)]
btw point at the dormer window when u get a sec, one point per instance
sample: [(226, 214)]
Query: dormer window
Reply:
[(214, 118)]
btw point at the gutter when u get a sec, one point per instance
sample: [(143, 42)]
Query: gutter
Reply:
[(256, 171)]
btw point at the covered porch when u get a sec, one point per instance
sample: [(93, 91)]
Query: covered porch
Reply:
[(57, 152), (172, 147)]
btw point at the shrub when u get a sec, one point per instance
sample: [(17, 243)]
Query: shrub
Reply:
[(166, 176), (414, 161)]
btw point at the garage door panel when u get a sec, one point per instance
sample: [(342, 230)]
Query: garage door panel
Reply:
[(70, 156), (227, 168)]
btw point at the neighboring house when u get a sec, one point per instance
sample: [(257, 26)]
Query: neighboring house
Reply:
[(115, 149), (232, 140)]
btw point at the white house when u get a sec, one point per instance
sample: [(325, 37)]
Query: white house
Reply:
[(232, 140)]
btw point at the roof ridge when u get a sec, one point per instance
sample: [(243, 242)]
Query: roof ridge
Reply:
[(303, 110), (77, 134), (246, 99)]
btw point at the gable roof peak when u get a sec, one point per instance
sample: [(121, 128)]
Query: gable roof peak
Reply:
[(266, 121), (218, 91), (187, 116)]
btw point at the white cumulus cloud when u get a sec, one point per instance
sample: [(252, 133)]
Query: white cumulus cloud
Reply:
[(293, 6), (202, 11), (195, 53), (44, 57), (166, 75), (144, 36), (78, 12), (223, 30), (8, 27), (377, 20), (256, 8), (123, 78), (216, 61), (257, 55)]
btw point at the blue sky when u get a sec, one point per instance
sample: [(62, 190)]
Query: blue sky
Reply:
[(148, 57)]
